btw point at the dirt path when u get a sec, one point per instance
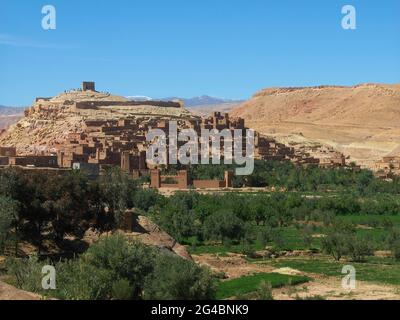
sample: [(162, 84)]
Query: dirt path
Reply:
[(233, 265)]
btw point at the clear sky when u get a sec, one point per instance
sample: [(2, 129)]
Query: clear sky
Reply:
[(224, 48)]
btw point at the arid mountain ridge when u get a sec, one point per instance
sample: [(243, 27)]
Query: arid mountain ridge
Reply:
[(362, 121)]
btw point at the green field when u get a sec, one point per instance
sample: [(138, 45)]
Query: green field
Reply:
[(248, 284), (378, 270)]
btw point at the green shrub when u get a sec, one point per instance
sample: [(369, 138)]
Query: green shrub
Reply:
[(116, 269), (335, 244), (177, 279), (223, 225), (395, 248), (247, 249), (359, 248), (266, 235), (121, 290), (131, 261), (264, 291), (307, 236), (8, 216), (145, 198), (26, 274)]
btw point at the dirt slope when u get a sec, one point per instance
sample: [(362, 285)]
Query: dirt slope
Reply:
[(8, 292), (362, 121)]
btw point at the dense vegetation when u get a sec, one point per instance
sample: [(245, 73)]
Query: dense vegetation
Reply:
[(39, 209), (247, 219), (36, 207), (116, 269), (33, 204), (294, 178)]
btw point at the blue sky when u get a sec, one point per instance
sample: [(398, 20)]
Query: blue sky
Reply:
[(224, 48)]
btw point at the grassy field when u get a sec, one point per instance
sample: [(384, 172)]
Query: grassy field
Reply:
[(248, 284), (378, 270)]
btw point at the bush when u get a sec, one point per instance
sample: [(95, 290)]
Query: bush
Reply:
[(145, 198), (116, 269), (266, 235), (307, 238), (80, 280), (8, 216), (278, 240), (395, 248), (25, 274), (177, 279), (247, 249), (121, 290), (359, 248), (335, 244), (264, 291), (130, 261), (387, 224), (393, 241), (117, 193), (177, 220), (223, 225)]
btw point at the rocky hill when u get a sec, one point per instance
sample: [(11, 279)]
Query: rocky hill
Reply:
[(49, 121), (362, 121)]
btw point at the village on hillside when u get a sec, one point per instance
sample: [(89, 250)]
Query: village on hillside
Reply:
[(110, 131)]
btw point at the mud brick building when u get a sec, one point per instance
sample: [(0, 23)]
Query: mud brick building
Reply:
[(181, 181), (34, 161), (88, 86), (8, 152), (388, 166)]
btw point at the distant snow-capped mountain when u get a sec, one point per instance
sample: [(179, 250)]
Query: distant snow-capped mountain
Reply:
[(206, 105), (139, 98), (202, 105), (10, 110), (204, 100)]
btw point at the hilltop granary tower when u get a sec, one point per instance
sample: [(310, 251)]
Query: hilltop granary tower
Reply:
[(88, 86)]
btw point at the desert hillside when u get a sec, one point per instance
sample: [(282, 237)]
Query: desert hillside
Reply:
[(47, 124), (361, 121)]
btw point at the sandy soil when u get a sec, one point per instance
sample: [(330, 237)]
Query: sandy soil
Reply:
[(330, 288), (8, 292), (233, 265)]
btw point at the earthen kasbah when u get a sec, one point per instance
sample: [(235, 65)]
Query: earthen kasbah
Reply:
[(87, 130)]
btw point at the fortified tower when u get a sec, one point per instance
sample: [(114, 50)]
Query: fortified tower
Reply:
[(88, 86)]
